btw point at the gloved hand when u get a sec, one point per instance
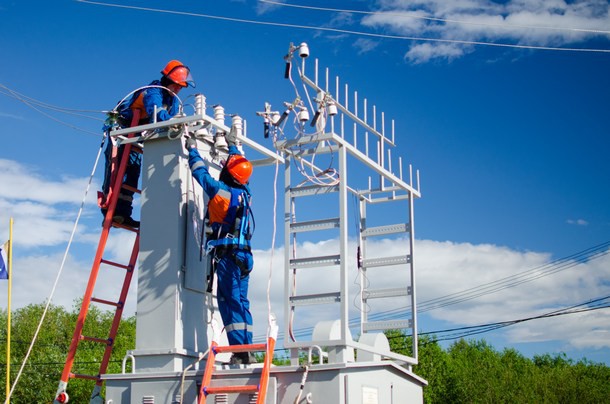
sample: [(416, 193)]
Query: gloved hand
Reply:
[(190, 143), (231, 137)]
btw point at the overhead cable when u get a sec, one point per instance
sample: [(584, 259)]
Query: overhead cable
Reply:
[(436, 19), (350, 32), (550, 268), (34, 104)]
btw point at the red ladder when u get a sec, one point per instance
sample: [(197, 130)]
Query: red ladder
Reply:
[(260, 388), (112, 198)]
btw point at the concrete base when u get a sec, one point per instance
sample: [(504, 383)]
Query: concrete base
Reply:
[(352, 383)]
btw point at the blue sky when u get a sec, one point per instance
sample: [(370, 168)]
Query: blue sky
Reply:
[(511, 143)]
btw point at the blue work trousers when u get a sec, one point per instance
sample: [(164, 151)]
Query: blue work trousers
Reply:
[(124, 205), (233, 302)]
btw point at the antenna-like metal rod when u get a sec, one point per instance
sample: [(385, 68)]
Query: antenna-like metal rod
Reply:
[(400, 168), (366, 132)]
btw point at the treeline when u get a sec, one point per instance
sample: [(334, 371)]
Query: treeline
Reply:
[(474, 372), (40, 377), (466, 372)]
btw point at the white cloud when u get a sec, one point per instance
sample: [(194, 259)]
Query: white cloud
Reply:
[(24, 183), (262, 7), (43, 209), (523, 284), (493, 283), (12, 116), (443, 269), (578, 222), (365, 45), (426, 52), (526, 22)]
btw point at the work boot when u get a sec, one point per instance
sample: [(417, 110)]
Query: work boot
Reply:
[(126, 221), (242, 358)]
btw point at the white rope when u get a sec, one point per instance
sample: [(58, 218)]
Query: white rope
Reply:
[(277, 165), (201, 356), (44, 313)]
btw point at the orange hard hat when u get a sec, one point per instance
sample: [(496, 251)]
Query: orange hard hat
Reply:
[(177, 72), (240, 168)]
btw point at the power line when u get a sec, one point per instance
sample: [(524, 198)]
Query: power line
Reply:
[(529, 275), (36, 105), (436, 19), (483, 328), (350, 32), (517, 279)]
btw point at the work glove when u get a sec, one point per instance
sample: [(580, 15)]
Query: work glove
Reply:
[(190, 143), (231, 137)]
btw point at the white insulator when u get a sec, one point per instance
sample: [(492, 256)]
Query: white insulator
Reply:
[(200, 104), (303, 50), (331, 107), (220, 141), (238, 124), (303, 115), (219, 114), (275, 116)]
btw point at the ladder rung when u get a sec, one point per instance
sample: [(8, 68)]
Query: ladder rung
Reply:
[(81, 376), (382, 293), (312, 190), (230, 389), (384, 230), (315, 261), (386, 261), (94, 339), (386, 325), (240, 348), (115, 264), (108, 302), (130, 188), (320, 298), (313, 225)]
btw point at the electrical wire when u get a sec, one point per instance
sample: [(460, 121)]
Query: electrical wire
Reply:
[(29, 100), (529, 275), (436, 19), (483, 328), (34, 104), (560, 264), (350, 32), (538, 272)]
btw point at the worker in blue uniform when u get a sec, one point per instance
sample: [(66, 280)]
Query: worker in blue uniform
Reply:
[(232, 223), (139, 109)]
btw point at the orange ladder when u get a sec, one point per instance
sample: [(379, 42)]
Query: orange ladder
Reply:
[(260, 388), (118, 172)]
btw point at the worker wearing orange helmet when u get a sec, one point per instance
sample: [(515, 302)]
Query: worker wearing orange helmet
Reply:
[(139, 109), (232, 223)]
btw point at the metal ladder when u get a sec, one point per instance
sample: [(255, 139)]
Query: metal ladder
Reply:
[(399, 265), (302, 263), (118, 172)]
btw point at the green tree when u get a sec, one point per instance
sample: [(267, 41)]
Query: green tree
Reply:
[(38, 382)]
